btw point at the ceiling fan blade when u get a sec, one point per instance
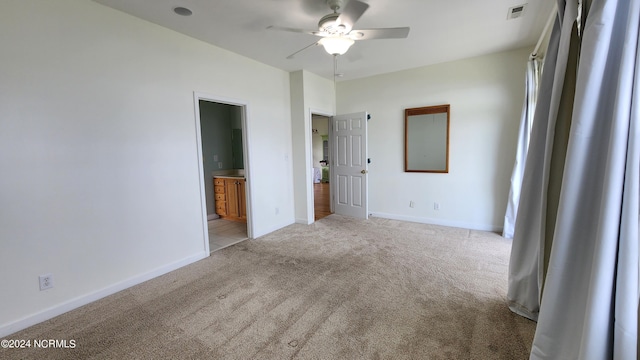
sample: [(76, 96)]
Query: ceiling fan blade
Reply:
[(301, 50), (283, 28), (352, 12), (383, 33)]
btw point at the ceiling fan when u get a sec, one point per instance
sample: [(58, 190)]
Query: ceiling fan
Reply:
[(336, 29)]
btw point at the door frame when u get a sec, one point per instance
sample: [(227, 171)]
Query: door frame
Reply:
[(311, 208), (244, 113)]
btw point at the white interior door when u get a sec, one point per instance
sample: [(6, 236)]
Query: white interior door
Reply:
[(349, 169)]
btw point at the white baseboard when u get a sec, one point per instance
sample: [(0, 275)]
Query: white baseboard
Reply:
[(458, 224), (303, 221), (271, 229), (46, 314), (213, 217)]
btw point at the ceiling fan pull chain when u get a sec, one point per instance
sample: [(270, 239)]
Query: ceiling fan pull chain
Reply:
[(335, 89)]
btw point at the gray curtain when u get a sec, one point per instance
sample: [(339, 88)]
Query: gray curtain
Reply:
[(537, 203), (585, 204), (526, 121)]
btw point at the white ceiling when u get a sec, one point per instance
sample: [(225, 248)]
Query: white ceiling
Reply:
[(441, 30)]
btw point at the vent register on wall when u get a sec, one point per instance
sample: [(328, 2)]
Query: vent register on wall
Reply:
[(516, 11)]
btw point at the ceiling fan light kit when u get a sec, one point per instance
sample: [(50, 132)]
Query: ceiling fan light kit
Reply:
[(336, 32), (336, 45)]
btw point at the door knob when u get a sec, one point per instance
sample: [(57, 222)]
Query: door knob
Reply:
[(363, 172)]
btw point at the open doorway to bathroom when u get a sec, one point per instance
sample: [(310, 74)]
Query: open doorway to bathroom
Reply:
[(223, 163), (320, 168)]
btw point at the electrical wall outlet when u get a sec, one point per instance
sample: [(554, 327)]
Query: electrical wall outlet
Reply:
[(436, 206), (46, 281), (411, 204), (220, 165)]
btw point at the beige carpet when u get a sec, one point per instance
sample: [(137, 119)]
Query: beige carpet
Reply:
[(341, 288)]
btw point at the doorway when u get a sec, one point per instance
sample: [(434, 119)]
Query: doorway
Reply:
[(222, 150), (320, 166)]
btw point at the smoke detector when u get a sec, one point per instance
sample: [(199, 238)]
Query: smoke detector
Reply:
[(516, 11)]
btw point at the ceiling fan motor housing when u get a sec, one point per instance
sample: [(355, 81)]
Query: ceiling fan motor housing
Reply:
[(329, 24), (335, 4)]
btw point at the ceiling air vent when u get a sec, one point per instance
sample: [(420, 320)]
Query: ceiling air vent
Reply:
[(516, 11)]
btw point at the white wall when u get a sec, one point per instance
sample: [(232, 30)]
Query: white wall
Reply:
[(310, 94), (486, 95), (100, 179)]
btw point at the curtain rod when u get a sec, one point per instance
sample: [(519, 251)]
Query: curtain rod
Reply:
[(554, 14)]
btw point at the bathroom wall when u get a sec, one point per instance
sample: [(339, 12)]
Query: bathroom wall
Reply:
[(216, 126)]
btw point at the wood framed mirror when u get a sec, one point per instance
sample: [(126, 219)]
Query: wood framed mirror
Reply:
[(426, 139)]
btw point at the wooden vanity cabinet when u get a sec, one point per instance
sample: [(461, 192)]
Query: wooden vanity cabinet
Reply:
[(219, 193), (230, 198)]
